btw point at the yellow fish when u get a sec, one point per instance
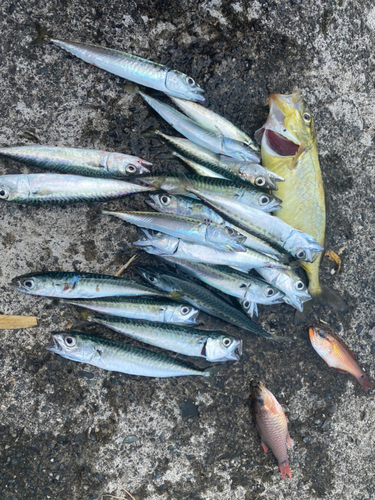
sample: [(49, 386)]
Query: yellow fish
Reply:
[(289, 149)]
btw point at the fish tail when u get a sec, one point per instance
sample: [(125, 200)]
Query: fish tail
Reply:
[(364, 381), (323, 296), (43, 35), (284, 469), (209, 373), (151, 132)]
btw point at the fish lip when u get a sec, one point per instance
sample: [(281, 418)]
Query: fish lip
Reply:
[(193, 318), (15, 284), (55, 347), (144, 163), (239, 349)]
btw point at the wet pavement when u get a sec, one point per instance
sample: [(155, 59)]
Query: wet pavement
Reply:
[(71, 431)]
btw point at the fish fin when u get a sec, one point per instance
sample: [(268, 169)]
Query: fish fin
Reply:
[(284, 469), (300, 150), (151, 132), (325, 296), (43, 35), (264, 447), (289, 441), (209, 373), (57, 302), (259, 134), (365, 382)]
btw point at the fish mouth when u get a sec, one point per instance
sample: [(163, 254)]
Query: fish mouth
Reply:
[(56, 346), (192, 320), (15, 284), (294, 302), (237, 352), (279, 144), (144, 163)]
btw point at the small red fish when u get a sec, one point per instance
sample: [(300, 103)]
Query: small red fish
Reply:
[(271, 423), (337, 355)]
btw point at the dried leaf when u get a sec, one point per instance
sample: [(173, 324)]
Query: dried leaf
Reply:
[(16, 322), (334, 258)]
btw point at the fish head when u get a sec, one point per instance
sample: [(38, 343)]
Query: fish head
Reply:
[(295, 290), (222, 348), (126, 165), (165, 243), (261, 396), (323, 342), (268, 203), (181, 313), (227, 236), (263, 294), (156, 279), (182, 86), (259, 176), (73, 345), (36, 284), (165, 203), (302, 246), (14, 187), (239, 150)]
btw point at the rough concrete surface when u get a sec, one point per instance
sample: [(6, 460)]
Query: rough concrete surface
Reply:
[(66, 429)]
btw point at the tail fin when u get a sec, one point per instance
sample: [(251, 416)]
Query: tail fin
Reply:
[(152, 132), (209, 373), (43, 37), (365, 382), (325, 297), (284, 468)]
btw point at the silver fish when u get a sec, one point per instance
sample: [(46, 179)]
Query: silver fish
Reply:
[(301, 245), (189, 229), (216, 123), (78, 285), (162, 311), (245, 193), (90, 162), (220, 165), (162, 244), (133, 68), (248, 289), (213, 346), (62, 189), (199, 135), (201, 298), (188, 207), (119, 357), (288, 282)]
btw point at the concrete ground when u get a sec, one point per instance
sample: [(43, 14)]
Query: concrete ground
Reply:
[(73, 432)]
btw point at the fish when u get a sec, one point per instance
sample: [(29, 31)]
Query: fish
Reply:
[(162, 244), (300, 245), (63, 189), (247, 289), (206, 233), (217, 165), (200, 297), (177, 184), (132, 68), (116, 356), (159, 310), (189, 207), (213, 346), (337, 355), (210, 120), (271, 423), (90, 162), (79, 285), (286, 280), (199, 135), (289, 149)]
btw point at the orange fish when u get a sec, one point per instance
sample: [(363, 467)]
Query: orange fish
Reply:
[(337, 355), (271, 423)]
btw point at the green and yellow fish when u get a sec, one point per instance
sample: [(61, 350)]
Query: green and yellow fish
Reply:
[(289, 149)]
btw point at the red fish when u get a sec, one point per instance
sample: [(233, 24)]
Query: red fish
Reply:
[(337, 355), (271, 423)]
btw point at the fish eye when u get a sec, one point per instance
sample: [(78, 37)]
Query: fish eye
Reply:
[(190, 81), (260, 181), (246, 304), (185, 310), (229, 231), (245, 145), (300, 285), (301, 254), (70, 341), (29, 284), (152, 279), (131, 169), (4, 193), (320, 334), (269, 292), (165, 200), (263, 200), (227, 342), (260, 400), (307, 117)]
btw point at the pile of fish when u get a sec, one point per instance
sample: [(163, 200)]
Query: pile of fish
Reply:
[(214, 226)]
